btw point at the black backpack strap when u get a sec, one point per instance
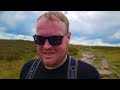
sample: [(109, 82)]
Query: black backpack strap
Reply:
[(33, 69), (72, 68)]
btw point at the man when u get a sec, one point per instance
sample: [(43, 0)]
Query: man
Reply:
[(52, 39)]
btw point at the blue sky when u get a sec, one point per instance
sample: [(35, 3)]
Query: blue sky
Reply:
[(96, 28)]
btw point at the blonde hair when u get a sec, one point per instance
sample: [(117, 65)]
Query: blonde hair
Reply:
[(56, 16)]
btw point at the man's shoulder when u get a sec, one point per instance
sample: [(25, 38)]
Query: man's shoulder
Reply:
[(85, 65), (88, 70), (29, 63), (26, 68)]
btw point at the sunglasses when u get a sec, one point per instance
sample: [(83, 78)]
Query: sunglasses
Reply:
[(53, 40)]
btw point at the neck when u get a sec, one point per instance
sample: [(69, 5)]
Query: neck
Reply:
[(57, 65)]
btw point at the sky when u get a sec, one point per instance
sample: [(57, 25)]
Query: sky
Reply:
[(94, 28)]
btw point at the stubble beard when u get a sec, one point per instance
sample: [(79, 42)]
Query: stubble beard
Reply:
[(57, 61)]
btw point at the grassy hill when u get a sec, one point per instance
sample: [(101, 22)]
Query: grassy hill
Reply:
[(15, 53)]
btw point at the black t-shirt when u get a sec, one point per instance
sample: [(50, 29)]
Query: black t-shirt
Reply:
[(85, 71)]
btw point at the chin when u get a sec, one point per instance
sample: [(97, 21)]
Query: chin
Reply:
[(50, 62)]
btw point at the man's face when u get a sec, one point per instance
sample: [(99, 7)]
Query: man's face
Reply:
[(52, 55)]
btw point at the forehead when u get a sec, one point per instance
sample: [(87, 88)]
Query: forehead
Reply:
[(45, 25)]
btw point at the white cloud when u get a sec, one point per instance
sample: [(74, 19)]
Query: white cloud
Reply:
[(92, 22), (116, 35), (34, 30), (23, 37), (95, 42), (101, 24), (12, 18), (80, 21), (3, 29), (38, 13), (12, 36)]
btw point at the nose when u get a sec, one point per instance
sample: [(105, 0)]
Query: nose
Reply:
[(47, 45)]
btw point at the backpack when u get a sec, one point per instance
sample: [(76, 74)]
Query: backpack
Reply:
[(71, 72)]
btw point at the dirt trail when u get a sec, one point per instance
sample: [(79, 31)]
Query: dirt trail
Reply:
[(88, 56), (104, 67)]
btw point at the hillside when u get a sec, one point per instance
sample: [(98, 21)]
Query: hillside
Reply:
[(14, 53)]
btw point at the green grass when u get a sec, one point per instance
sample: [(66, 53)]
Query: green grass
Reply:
[(76, 50), (10, 70), (16, 49), (112, 55), (15, 53)]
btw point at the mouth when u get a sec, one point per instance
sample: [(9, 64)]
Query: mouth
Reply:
[(48, 55)]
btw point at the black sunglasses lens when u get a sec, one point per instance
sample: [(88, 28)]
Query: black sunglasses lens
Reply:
[(41, 40), (55, 40)]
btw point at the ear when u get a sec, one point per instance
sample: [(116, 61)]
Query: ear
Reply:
[(68, 36)]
